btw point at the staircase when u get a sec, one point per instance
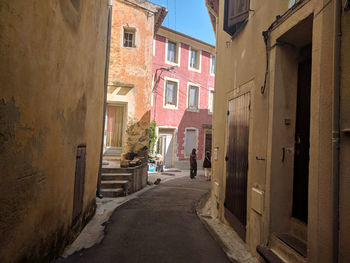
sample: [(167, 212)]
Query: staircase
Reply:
[(115, 183), (284, 248)]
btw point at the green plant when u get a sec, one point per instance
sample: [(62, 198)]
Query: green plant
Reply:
[(152, 136)]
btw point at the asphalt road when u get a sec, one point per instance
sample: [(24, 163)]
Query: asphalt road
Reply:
[(159, 226)]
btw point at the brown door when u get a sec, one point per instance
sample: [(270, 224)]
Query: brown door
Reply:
[(208, 140), (79, 183), (115, 126), (237, 164), (302, 137)]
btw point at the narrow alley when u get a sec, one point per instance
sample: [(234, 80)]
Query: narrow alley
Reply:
[(159, 226)]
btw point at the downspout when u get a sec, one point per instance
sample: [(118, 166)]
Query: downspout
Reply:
[(109, 30), (336, 125)]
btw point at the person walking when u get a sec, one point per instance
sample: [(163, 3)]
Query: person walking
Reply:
[(193, 164), (207, 166)]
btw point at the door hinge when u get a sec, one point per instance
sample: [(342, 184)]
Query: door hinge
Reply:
[(228, 112)]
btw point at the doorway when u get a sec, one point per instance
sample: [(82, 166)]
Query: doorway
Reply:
[(302, 137), (237, 164), (114, 130), (166, 146), (208, 141)]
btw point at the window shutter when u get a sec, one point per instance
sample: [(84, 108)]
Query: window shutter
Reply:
[(236, 11)]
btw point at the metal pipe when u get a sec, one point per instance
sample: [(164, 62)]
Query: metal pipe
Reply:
[(336, 125), (109, 30)]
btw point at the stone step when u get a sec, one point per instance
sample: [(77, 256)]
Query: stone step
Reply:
[(268, 255), (115, 176), (105, 184), (288, 248), (116, 192)]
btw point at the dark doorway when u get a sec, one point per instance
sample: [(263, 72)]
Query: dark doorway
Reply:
[(79, 183), (237, 164), (208, 140), (302, 137)]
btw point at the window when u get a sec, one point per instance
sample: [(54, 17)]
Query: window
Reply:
[(193, 97), (171, 92), (194, 59), (172, 53), (212, 65), (129, 37), (211, 100), (190, 140), (236, 12)]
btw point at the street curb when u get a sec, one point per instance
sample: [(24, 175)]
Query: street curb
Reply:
[(210, 229)]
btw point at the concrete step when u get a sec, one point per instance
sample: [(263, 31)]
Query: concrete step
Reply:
[(116, 192), (268, 255), (115, 176), (288, 248), (105, 184)]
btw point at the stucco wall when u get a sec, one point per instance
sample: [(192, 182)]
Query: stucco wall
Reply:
[(52, 65), (344, 252), (132, 65), (181, 118), (240, 68)]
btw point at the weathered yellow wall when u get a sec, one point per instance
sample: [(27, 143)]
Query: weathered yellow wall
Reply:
[(240, 69), (52, 61), (133, 66), (344, 251)]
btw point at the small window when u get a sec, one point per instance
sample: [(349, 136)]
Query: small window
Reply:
[(193, 97), (212, 65), (129, 38), (194, 59), (190, 141), (211, 101), (235, 13), (171, 90), (172, 54)]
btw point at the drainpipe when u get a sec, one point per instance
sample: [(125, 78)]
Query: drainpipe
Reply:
[(336, 125), (109, 30)]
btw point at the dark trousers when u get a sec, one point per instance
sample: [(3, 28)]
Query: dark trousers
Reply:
[(193, 172)]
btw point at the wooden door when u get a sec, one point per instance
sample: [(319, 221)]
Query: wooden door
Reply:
[(115, 123), (237, 164), (79, 183), (302, 138)]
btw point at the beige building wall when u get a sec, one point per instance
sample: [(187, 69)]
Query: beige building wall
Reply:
[(344, 205), (52, 63), (240, 69), (132, 66)]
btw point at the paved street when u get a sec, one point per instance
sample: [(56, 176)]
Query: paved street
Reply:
[(159, 226)]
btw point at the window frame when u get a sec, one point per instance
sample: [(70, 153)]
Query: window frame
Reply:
[(199, 59), (189, 84), (211, 65), (169, 106), (131, 31), (211, 91), (178, 54)]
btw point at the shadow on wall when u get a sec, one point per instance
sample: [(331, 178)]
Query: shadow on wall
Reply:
[(193, 119)]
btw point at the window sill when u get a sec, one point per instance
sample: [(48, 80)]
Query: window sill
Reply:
[(169, 107), (194, 69), (192, 110), (172, 63)]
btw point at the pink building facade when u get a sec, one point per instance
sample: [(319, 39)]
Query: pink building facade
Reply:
[(182, 101)]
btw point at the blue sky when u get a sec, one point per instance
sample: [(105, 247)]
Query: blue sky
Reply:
[(189, 17)]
